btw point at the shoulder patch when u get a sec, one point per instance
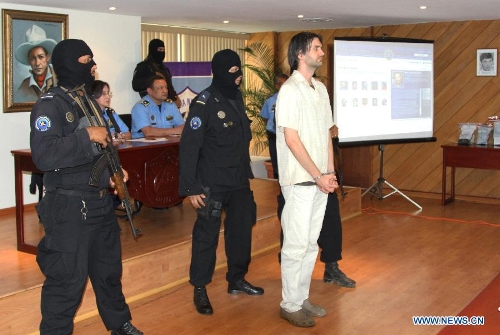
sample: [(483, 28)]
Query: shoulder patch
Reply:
[(203, 97), (43, 123), (145, 103), (47, 96), (195, 123)]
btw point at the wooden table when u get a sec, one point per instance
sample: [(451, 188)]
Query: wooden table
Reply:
[(153, 177), (153, 169), (476, 157)]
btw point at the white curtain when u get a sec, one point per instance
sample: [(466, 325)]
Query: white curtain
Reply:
[(190, 45)]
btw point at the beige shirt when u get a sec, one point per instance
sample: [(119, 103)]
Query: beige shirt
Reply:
[(308, 111)]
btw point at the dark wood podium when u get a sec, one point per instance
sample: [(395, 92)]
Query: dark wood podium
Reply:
[(476, 157), (153, 177)]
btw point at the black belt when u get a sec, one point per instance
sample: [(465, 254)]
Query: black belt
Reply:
[(306, 183), (83, 194)]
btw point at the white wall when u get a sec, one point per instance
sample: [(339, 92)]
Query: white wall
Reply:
[(116, 43)]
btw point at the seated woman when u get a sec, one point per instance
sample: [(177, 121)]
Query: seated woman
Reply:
[(103, 95)]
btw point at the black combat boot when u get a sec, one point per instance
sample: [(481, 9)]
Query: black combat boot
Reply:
[(201, 301), (126, 329), (334, 275)]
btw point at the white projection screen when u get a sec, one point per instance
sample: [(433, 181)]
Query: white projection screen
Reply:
[(383, 90)]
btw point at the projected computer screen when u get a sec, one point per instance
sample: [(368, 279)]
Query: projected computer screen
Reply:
[(383, 90)]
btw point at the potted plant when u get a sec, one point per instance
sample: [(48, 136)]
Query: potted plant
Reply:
[(259, 86)]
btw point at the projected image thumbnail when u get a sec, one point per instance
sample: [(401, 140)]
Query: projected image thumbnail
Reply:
[(415, 100), (397, 79)]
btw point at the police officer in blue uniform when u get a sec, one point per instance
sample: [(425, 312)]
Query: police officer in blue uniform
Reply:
[(153, 116), (267, 113), (82, 235), (214, 164)]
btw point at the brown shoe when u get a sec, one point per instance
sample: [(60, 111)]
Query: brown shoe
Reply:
[(299, 318), (313, 310)]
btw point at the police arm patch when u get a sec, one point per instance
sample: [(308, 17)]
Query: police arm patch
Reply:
[(195, 123), (43, 123)]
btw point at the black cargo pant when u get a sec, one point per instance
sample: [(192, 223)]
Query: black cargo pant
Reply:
[(73, 249), (330, 237), (240, 210), (271, 137)]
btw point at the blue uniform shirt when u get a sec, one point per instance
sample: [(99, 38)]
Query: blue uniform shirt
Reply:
[(147, 114), (119, 121), (267, 112)]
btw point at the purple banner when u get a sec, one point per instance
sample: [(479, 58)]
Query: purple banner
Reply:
[(189, 79)]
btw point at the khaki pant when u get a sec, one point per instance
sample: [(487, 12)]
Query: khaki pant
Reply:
[(301, 222)]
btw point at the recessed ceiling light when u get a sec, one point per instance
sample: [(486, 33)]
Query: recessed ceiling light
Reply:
[(423, 7), (300, 16), (112, 8), (225, 21), (316, 19)]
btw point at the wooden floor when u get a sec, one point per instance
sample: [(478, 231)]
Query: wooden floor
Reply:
[(406, 263), (160, 228)]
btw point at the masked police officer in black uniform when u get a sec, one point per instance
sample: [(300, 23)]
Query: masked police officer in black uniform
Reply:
[(214, 173), (82, 235), (153, 65)]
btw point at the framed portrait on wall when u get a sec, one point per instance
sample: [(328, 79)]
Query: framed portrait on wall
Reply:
[(28, 41), (487, 62)]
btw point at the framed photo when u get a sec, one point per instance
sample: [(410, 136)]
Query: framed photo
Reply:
[(28, 41), (487, 62)]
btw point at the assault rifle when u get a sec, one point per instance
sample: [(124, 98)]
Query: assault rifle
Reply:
[(117, 174), (338, 172), (111, 159)]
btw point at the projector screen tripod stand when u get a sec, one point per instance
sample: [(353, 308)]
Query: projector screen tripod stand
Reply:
[(378, 185)]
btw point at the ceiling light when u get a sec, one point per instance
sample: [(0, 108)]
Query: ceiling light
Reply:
[(423, 7), (316, 19), (225, 21), (112, 8), (300, 16)]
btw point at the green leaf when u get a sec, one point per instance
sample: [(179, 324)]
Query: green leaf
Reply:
[(256, 92)]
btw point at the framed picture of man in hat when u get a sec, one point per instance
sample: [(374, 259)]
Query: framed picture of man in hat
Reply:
[(29, 38)]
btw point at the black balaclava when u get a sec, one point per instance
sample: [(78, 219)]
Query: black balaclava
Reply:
[(223, 80), (70, 72), (154, 54)]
